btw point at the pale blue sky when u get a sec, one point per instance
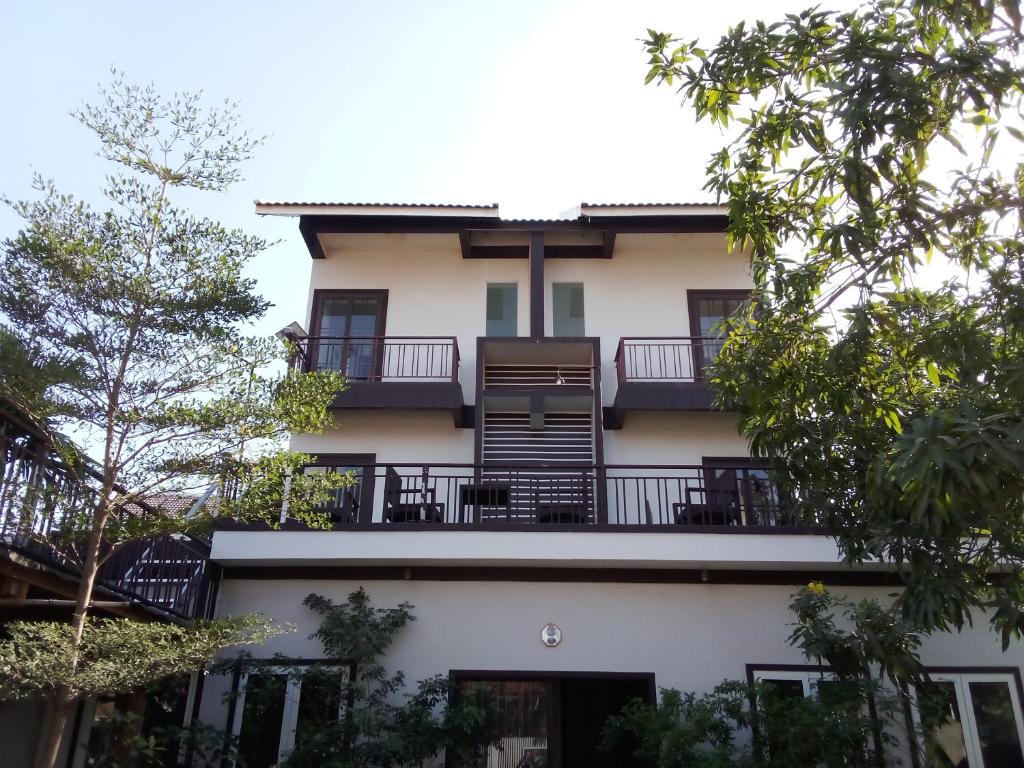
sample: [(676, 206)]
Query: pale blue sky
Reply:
[(536, 105)]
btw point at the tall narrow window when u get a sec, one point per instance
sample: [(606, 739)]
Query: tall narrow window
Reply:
[(502, 301), (347, 330), (709, 313), (567, 309)]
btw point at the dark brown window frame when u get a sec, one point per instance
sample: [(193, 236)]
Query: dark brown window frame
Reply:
[(456, 676), (366, 460), (693, 298), (321, 295)]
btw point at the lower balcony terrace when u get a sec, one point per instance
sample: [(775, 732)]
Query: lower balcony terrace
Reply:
[(711, 498)]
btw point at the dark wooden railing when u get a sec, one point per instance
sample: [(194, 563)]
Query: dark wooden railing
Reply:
[(45, 512), (677, 498), (381, 358), (665, 359)]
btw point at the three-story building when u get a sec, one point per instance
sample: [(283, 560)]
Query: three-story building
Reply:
[(542, 474)]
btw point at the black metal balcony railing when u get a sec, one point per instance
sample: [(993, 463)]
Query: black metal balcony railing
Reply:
[(381, 358), (677, 498), (45, 507), (665, 359)]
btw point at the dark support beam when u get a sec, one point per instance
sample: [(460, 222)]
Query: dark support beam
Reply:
[(537, 285), (310, 230), (465, 242), (609, 243)]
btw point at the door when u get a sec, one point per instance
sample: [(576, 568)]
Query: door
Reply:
[(547, 720), (349, 327)]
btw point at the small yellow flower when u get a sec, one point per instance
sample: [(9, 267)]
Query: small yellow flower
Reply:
[(816, 588)]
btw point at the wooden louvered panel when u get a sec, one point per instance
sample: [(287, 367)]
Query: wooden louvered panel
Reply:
[(527, 375), (565, 439), (539, 488)]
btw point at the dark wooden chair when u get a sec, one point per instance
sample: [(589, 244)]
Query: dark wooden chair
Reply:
[(714, 506), (398, 510), (563, 500)]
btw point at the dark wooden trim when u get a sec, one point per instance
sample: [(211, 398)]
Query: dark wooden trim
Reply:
[(401, 395), (543, 529), (575, 252), (466, 243), (311, 226), (536, 285), (568, 575), (609, 243), (598, 431), (478, 425), (311, 236), (499, 252), (662, 396)]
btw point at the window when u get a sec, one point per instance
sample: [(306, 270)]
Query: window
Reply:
[(709, 311), (970, 719), (352, 503), (277, 707), (740, 491), (502, 304), (347, 330), (567, 309)]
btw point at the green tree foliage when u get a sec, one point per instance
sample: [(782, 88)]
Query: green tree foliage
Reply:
[(848, 722), (382, 726), (891, 411), (36, 657), (130, 327)]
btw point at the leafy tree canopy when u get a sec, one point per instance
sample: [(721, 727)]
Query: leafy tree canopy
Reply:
[(890, 406)]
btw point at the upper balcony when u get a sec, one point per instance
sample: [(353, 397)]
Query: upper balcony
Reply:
[(406, 372), (45, 507), (662, 373)]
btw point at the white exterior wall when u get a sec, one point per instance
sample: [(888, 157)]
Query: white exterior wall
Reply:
[(433, 291), (690, 636)]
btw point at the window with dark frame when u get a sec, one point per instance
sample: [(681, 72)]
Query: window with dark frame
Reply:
[(567, 309), (279, 706), (710, 311), (347, 327), (353, 503), (502, 309)]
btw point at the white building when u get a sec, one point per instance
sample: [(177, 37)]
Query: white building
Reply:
[(536, 447)]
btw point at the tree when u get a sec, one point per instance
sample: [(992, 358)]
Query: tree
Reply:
[(130, 326), (892, 411)]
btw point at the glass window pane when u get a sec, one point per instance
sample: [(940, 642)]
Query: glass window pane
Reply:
[(567, 303), (521, 709), (501, 309), (941, 725), (997, 725), (259, 738)]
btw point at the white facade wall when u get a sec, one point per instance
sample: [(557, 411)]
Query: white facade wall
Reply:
[(433, 291), (690, 636)]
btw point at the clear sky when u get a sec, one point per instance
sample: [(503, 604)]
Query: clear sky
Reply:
[(534, 104)]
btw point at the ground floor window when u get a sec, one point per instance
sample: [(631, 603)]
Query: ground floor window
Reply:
[(552, 720), (277, 707), (971, 719)]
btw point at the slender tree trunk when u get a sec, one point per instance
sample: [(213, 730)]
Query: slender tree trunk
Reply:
[(61, 702)]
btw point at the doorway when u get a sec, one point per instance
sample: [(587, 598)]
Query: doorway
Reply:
[(554, 720)]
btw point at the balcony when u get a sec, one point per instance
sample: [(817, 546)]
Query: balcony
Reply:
[(662, 374), (44, 511), (685, 499), (388, 372)]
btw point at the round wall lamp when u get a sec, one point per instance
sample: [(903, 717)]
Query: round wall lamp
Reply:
[(551, 635)]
